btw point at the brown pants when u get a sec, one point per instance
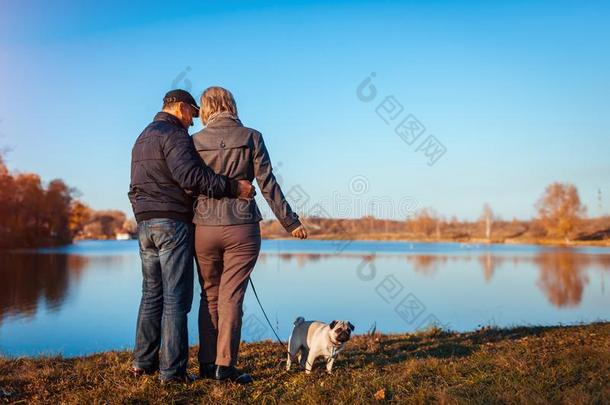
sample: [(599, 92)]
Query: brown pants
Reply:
[(226, 256)]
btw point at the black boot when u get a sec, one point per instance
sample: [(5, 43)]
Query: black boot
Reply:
[(230, 373), (141, 372), (207, 370), (179, 379)]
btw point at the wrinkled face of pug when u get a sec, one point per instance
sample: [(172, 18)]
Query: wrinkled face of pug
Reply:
[(341, 331)]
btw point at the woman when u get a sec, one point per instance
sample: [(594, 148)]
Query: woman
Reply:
[(227, 235)]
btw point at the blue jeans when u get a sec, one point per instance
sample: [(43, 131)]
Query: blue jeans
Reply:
[(166, 250)]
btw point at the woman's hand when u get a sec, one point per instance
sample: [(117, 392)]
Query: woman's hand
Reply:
[(300, 232)]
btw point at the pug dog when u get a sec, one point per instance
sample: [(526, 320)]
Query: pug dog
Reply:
[(312, 339)]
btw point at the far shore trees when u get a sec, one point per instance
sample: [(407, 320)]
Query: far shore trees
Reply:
[(425, 222), (86, 223), (105, 224), (560, 210), (34, 215), (80, 215)]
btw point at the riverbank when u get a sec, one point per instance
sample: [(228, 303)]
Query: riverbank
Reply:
[(523, 365), (594, 233), (590, 232), (397, 237)]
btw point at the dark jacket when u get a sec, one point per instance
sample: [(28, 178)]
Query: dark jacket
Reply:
[(163, 165), (238, 152)]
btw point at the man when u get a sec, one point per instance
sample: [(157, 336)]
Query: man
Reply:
[(165, 171)]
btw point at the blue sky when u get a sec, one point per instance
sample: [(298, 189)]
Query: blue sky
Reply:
[(517, 93)]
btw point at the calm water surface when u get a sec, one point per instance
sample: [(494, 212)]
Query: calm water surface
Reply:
[(84, 298)]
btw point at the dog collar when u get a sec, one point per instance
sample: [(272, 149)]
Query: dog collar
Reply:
[(335, 350)]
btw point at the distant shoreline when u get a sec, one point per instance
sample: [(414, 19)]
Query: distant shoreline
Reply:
[(593, 232), (377, 238), (393, 238)]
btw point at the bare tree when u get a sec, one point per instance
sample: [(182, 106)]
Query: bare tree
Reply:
[(426, 222), (487, 217)]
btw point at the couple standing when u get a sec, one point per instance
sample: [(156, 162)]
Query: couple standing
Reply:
[(213, 171)]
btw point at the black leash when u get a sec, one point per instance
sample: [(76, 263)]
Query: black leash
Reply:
[(265, 313)]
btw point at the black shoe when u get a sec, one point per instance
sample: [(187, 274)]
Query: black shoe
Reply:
[(179, 379), (141, 372), (207, 370), (230, 373)]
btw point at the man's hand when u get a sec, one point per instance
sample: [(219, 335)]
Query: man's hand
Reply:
[(245, 190), (300, 232)]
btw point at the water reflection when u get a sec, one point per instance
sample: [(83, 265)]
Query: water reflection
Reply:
[(562, 274), (58, 300), (31, 280), (563, 277), (489, 263), (427, 264)]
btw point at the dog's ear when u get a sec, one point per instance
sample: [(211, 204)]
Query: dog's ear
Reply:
[(333, 324), (351, 326)]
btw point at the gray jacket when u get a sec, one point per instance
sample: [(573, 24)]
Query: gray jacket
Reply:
[(238, 152)]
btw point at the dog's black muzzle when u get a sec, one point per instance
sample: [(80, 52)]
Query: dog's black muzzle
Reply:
[(343, 336)]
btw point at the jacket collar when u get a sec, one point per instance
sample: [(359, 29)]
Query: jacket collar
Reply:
[(167, 117), (224, 122)]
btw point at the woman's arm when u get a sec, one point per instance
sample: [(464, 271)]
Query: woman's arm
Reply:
[(272, 191)]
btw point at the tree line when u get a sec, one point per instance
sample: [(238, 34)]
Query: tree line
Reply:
[(34, 214), (560, 216)]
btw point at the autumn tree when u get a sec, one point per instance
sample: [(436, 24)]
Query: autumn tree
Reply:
[(560, 209), (6, 202), (32, 214), (56, 212), (80, 216), (130, 226), (105, 224)]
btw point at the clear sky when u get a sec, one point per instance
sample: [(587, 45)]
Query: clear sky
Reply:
[(518, 93)]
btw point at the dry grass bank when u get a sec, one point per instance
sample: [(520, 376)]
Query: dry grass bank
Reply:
[(519, 365)]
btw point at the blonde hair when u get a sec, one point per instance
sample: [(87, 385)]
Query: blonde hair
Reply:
[(216, 100)]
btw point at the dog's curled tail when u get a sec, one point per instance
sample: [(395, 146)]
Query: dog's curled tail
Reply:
[(299, 321)]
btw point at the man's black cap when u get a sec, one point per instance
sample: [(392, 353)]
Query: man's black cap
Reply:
[(179, 95)]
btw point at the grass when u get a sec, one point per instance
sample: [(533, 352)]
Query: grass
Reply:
[(519, 365)]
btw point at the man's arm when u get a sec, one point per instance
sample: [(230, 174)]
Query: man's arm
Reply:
[(191, 173)]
